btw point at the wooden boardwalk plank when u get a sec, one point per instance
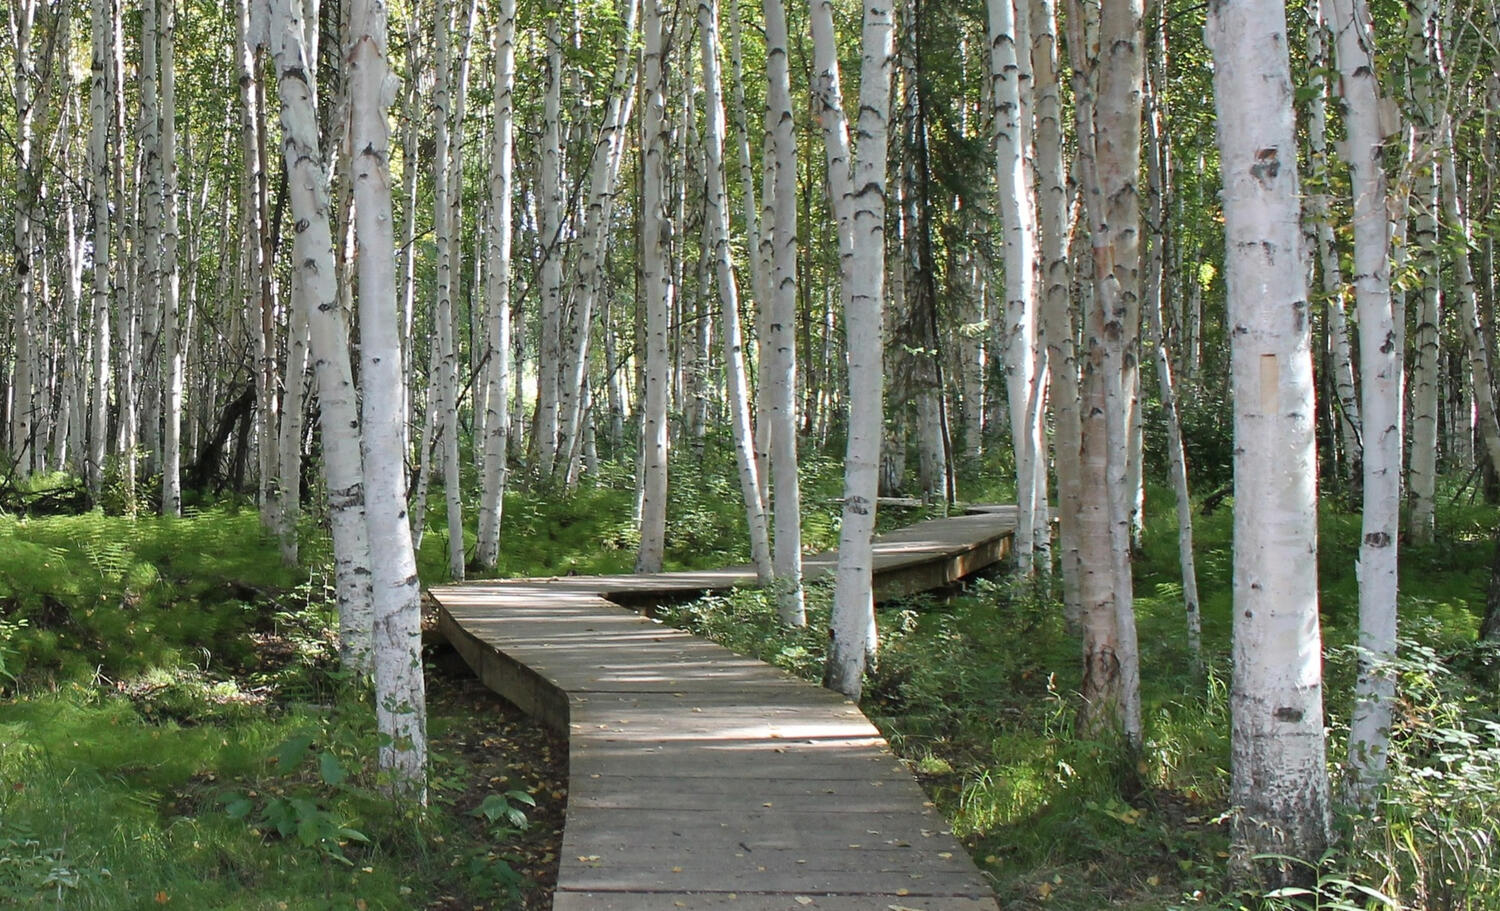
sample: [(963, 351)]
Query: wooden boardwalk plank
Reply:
[(703, 779)]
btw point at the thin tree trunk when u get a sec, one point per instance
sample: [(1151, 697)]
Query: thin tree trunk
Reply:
[(658, 288), (778, 342), (497, 338), (1158, 170), (857, 182), (400, 700), (99, 164), (1058, 328), (1380, 372), (1279, 776), (1018, 218), (550, 276), (1319, 227), (1426, 344), (171, 459), (716, 220), (307, 184)]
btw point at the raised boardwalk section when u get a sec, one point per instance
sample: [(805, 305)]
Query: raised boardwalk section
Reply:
[(701, 779)]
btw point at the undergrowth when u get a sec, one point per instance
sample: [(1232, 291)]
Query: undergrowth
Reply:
[(978, 692)]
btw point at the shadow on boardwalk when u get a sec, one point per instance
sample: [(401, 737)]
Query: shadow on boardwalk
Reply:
[(701, 779)]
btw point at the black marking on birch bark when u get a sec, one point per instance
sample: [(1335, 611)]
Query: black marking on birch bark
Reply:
[(1289, 714)]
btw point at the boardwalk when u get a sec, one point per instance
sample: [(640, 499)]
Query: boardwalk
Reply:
[(701, 779)]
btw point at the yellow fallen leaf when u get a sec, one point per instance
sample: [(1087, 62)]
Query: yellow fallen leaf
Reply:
[(1044, 890), (802, 900)]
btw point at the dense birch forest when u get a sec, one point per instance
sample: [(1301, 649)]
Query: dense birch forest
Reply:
[(400, 280)]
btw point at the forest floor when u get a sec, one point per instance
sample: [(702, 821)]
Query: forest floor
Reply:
[(174, 729)]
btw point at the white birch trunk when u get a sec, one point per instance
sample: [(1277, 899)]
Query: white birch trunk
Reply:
[(778, 341), (100, 165), (609, 154), (550, 222), (171, 458), (1109, 161), (1321, 234), (1380, 371), (1480, 365), (858, 187), (1426, 345), (446, 367), (289, 445), (1057, 314), (1279, 777), (1019, 229), (307, 185), (497, 336), (1158, 164), (657, 288), (400, 700), (716, 217)]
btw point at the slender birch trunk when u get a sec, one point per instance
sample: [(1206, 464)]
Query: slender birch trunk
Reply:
[(716, 220), (100, 165), (1279, 777), (445, 368), (1158, 170), (1427, 352), (1380, 371), (550, 224), (307, 185), (498, 245), (657, 287), (171, 458), (1058, 327), (1320, 231), (778, 341), (857, 181), (400, 699), (608, 156), (1109, 161), (289, 445), (1018, 220)]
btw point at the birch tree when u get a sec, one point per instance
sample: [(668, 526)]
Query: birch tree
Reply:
[(857, 181), (656, 229), (1320, 234), (307, 186), (171, 454), (1023, 373), (778, 340), (1380, 371), (1278, 779), (445, 369), (400, 699), (498, 247), (99, 165), (717, 227), (1108, 122)]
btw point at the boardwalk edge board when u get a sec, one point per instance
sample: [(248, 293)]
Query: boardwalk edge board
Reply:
[(701, 779)]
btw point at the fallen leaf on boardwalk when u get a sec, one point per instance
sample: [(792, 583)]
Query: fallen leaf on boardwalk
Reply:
[(802, 900), (676, 869)]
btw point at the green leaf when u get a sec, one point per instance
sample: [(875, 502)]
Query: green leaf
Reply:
[(290, 754), (237, 806), (333, 773)]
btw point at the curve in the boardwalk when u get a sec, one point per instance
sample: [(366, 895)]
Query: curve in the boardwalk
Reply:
[(701, 779)]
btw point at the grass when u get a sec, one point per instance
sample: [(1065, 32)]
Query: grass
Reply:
[(176, 731), (978, 693)]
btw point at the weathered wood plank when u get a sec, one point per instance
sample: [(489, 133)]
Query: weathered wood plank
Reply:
[(703, 779), (761, 901)]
